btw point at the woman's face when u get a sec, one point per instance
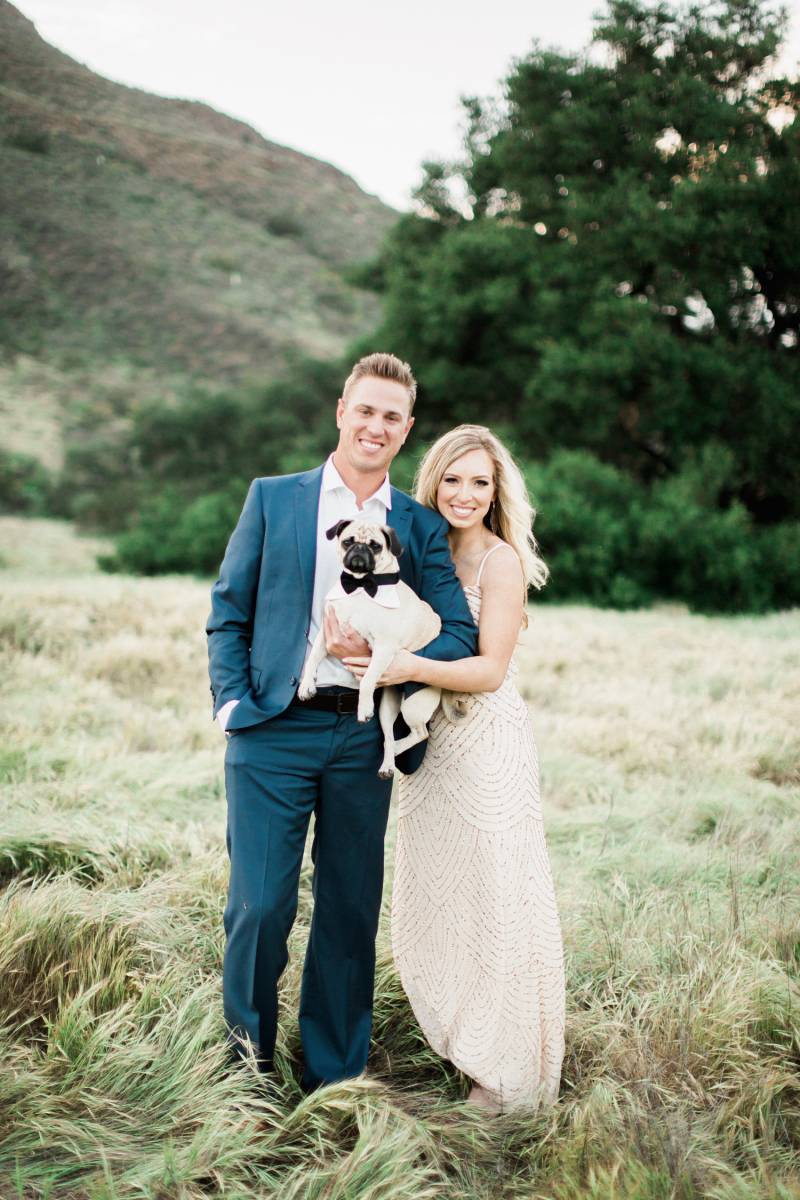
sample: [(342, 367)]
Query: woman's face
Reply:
[(467, 489)]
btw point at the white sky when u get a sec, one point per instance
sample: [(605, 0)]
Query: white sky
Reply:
[(372, 88)]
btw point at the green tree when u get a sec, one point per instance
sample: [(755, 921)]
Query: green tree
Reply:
[(614, 264)]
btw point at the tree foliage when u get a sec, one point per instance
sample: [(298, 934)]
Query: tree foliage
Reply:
[(614, 265), (26, 487), (610, 278)]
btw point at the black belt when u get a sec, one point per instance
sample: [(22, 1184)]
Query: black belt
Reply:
[(344, 701)]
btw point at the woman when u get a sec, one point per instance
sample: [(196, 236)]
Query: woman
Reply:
[(475, 927)]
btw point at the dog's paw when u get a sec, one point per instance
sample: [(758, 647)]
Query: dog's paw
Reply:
[(455, 706), (306, 690), (365, 714), (386, 772)]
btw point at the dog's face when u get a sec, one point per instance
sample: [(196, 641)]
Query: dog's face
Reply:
[(365, 548)]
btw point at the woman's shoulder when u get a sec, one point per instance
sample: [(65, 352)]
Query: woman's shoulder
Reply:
[(500, 564)]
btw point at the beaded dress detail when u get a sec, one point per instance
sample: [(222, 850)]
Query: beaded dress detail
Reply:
[(476, 934)]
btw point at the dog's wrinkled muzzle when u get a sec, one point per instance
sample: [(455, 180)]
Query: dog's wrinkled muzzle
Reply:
[(359, 558)]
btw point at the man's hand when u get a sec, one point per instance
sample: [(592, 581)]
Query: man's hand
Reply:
[(341, 641), (224, 713)]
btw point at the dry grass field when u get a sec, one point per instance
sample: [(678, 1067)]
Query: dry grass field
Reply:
[(670, 750)]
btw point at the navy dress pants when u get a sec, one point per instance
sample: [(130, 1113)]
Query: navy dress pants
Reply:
[(277, 774)]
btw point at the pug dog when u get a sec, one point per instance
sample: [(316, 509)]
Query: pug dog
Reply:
[(373, 600)]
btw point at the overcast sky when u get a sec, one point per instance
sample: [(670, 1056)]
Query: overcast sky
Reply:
[(372, 88)]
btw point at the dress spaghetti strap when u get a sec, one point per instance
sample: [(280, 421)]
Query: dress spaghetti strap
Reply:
[(491, 550)]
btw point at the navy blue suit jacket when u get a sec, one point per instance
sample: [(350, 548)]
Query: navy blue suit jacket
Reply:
[(261, 603)]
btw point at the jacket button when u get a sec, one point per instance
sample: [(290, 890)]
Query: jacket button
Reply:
[(293, 680)]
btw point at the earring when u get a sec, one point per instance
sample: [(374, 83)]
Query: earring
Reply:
[(493, 517)]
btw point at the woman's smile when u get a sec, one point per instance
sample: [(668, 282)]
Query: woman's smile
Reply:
[(467, 489)]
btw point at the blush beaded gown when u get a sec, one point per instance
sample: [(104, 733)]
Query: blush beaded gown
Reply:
[(476, 935)]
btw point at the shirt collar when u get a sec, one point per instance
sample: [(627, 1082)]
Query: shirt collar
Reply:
[(331, 480), (387, 595)]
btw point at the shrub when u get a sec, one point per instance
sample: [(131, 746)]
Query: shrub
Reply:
[(284, 225), (25, 136), (707, 557), (780, 562), (607, 539), (586, 530), (612, 541), (171, 534), (25, 485)]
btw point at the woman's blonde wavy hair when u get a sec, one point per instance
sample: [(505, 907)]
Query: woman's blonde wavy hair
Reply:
[(512, 515)]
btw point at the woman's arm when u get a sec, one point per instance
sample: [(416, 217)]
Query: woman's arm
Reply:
[(501, 616)]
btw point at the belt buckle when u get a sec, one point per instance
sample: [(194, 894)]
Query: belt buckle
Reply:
[(346, 698)]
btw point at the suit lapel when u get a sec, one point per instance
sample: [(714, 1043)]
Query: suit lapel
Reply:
[(399, 517), (305, 512)]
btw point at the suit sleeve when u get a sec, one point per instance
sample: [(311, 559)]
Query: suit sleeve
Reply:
[(440, 586), (233, 598)]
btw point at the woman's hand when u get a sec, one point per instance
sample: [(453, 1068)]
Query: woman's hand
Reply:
[(399, 670)]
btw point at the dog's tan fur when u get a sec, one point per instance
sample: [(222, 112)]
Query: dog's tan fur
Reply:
[(410, 627)]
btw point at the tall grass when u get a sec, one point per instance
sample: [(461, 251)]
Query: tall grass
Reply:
[(669, 763)]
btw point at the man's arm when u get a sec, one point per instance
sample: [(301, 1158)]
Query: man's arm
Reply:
[(233, 596), (440, 587)]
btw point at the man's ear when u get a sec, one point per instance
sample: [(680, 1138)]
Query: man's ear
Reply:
[(409, 423), (393, 542), (335, 530)]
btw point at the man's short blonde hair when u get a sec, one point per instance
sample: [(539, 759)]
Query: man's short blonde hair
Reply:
[(383, 366)]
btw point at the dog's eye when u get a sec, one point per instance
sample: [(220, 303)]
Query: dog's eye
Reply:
[(348, 541), (376, 546)]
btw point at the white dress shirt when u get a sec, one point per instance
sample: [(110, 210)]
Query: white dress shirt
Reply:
[(336, 503)]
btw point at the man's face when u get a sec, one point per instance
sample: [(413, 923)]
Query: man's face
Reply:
[(373, 423)]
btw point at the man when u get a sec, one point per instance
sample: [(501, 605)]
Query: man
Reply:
[(285, 758)]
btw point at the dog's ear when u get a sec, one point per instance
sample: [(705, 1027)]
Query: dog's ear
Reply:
[(335, 530), (393, 542)]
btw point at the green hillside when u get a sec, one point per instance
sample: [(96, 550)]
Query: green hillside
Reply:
[(146, 242)]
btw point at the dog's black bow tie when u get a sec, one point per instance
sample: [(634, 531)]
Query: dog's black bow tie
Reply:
[(369, 582)]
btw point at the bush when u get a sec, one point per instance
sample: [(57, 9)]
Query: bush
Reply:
[(607, 539), (25, 485), (25, 136), (612, 541), (586, 527), (170, 534), (697, 552), (780, 562), (175, 477), (284, 224)]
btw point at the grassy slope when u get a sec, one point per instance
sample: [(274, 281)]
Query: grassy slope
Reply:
[(670, 761), (154, 273), (159, 239)]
